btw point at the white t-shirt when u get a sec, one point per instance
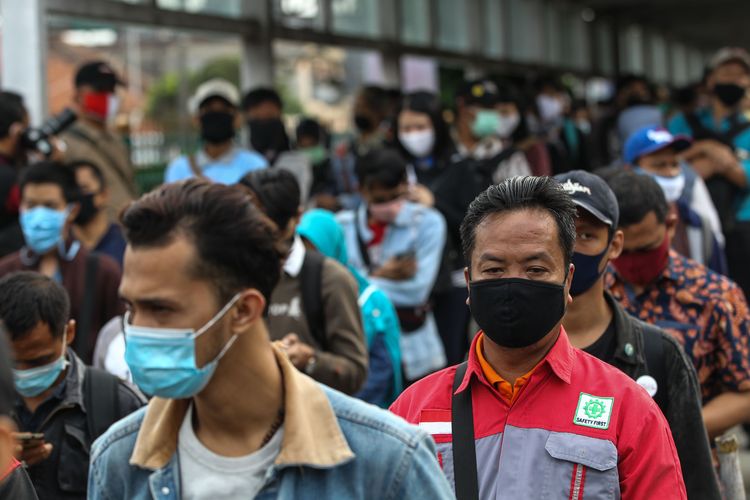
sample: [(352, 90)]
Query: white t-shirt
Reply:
[(206, 475)]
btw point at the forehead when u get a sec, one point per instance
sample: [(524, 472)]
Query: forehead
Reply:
[(46, 190), (146, 277), (409, 115), (518, 232), (39, 337), (642, 232), (663, 154), (731, 68)]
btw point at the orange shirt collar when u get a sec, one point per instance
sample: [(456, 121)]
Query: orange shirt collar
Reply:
[(508, 392)]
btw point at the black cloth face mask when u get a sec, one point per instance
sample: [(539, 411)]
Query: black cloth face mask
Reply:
[(729, 94), (88, 210), (217, 126), (268, 137), (515, 312)]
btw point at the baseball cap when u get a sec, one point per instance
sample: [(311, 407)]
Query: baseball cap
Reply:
[(730, 54), (647, 140), (99, 75), (591, 193), (479, 93), (216, 87)]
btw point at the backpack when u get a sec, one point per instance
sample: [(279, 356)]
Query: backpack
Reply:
[(82, 344), (311, 286), (100, 397), (723, 193)]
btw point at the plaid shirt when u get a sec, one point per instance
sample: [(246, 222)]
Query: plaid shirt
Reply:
[(705, 311)]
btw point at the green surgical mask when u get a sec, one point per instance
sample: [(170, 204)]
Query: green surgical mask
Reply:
[(486, 123), (316, 154)]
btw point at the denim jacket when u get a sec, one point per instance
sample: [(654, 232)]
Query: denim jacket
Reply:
[(418, 230), (333, 447)]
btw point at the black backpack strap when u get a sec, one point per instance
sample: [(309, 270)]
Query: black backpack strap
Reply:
[(82, 344), (653, 347), (464, 449), (100, 396), (311, 286), (361, 243)]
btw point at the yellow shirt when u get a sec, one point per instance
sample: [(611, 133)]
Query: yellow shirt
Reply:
[(508, 392)]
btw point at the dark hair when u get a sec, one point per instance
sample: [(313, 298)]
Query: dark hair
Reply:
[(520, 193), (7, 387), (429, 104), (638, 195), (309, 127), (11, 111), (27, 299), (48, 172), (235, 243), (383, 167), (278, 193), (376, 98), (82, 164), (258, 96)]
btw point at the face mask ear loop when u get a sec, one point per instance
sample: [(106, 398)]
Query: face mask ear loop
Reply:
[(218, 316)]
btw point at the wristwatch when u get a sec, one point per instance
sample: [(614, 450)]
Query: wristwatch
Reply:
[(310, 366)]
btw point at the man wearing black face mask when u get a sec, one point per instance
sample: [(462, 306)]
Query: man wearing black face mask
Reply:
[(527, 401), (214, 107), (721, 152), (93, 227), (262, 108), (596, 323)]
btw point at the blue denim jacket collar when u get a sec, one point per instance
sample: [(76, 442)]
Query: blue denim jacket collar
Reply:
[(312, 435)]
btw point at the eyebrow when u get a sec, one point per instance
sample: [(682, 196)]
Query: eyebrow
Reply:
[(151, 302), (494, 258)]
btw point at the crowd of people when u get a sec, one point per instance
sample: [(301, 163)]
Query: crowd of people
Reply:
[(521, 295)]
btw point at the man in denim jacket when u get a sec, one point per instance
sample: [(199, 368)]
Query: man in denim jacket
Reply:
[(231, 417)]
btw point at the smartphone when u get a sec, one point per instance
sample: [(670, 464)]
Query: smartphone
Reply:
[(410, 254), (30, 439)]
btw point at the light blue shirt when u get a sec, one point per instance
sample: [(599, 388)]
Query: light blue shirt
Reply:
[(680, 125), (227, 169)]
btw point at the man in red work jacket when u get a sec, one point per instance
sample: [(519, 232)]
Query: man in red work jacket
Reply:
[(550, 421)]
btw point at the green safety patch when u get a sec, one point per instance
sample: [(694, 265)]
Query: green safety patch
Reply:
[(593, 411)]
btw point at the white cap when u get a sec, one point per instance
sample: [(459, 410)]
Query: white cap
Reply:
[(216, 87)]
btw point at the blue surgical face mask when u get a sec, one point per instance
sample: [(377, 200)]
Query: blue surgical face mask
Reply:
[(33, 382), (162, 360), (43, 228)]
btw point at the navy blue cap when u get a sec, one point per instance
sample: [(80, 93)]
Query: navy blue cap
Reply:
[(591, 193), (651, 139)]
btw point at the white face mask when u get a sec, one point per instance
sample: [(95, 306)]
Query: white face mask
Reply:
[(550, 108), (113, 106), (508, 124), (672, 186), (418, 143)]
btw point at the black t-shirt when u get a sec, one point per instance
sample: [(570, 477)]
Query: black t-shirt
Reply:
[(604, 347)]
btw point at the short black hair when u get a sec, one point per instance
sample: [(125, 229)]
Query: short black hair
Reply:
[(638, 195), (95, 169), (382, 167), (11, 111), (309, 127), (277, 192), (257, 96), (522, 193), (376, 98), (235, 242), (49, 172), (27, 299), (7, 387)]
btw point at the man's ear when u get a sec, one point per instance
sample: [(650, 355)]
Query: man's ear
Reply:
[(671, 223), (70, 332), (75, 209), (569, 282), (616, 245), (467, 277), (250, 308)]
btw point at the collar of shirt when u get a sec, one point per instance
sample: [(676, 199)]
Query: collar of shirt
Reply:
[(559, 359), (227, 158), (296, 258), (312, 435), (67, 250), (508, 392)]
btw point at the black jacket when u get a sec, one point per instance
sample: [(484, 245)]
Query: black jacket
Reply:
[(17, 486), (680, 400), (64, 475)]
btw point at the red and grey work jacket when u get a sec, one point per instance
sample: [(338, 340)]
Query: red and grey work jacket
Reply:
[(579, 429)]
